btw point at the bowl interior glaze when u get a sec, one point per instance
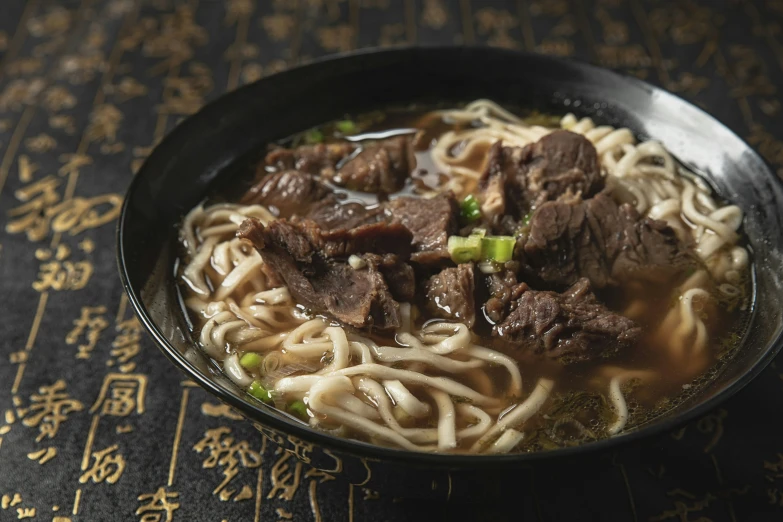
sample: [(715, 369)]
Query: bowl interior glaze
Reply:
[(184, 167)]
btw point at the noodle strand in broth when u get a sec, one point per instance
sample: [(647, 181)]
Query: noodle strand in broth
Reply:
[(437, 385)]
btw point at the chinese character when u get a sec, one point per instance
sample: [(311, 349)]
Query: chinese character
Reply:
[(81, 68), (185, 94), (58, 98), (156, 505), (126, 345), (279, 26), (79, 214), (92, 320), (104, 122), (58, 274), (108, 467), (128, 88), (175, 39), (65, 122), (336, 38), (224, 452), (48, 409), (285, 482), (36, 199), (497, 24), (19, 93), (300, 449), (121, 394), (42, 209)]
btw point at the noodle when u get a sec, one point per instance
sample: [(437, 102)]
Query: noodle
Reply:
[(520, 413), (458, 395)]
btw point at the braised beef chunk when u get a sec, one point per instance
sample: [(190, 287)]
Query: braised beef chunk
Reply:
[(450, 294), (651, 251), (286, 192), (492, 185), (499, 286), (606, 243), (516, 179), (560, 246), (330, 213), (378, 238), (380, 167), (431, 221), (398, 274), (571, 327), (359, 298), (560, 163), (320, 159)]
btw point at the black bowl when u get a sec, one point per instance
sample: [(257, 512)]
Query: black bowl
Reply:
[(184, 167)]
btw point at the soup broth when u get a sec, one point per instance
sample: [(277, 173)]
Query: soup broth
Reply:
[(540, 350)]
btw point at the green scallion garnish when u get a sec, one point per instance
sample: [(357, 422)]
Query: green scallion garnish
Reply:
[(346, 126), (499, 249), (464, 249), (259, 392), (299, 409), (314, 136), (250, 361), (470, 210)]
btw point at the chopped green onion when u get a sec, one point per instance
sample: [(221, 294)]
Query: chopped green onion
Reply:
[(314, 136), (250, 361), (498, 248), (299, 409), (470, 210), (480, 232), (346, 126), (464, 249), (526, 219), (259, 392)]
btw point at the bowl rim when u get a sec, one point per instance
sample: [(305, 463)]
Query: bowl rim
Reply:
[(257, 412)]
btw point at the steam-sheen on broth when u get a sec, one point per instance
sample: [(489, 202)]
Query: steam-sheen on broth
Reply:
[(468, 280)]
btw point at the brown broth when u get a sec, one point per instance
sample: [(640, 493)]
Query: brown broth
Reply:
[(585, 381), (581, 388)]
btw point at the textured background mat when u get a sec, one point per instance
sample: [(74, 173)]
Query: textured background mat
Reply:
[(95, 425)]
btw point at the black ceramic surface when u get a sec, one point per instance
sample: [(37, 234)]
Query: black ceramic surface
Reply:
[(179, 173)]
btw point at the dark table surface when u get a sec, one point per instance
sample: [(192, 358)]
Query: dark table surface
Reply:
[(95, 425)]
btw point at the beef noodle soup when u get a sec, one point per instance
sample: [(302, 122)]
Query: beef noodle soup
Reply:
[(468, 280)]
